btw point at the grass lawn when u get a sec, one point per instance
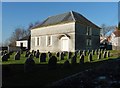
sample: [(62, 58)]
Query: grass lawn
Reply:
[(13, 70)]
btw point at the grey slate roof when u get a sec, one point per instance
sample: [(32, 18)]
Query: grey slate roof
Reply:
[(65, 17), (24, 38)]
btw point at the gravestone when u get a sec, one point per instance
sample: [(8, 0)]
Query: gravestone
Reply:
[(43, 57), (58, 54), (96, 51), (29, 64), (34, 53), (37, 54), (27, 53), (88, 52), (17, 56), (73, 60), (90, 57), (84, 52), (82, 59), (69, 55), (104, 54), (62, 56), (108, 53), (49, 54), (4, 57), (80, 52), (66, 64), (52, 63), (93, 52), (99, 55)]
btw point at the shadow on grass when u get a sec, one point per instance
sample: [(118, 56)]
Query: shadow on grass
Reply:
[(14, 75)]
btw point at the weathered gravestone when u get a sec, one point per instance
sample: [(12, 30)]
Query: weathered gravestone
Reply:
[(43, 57), (52, 63), (37, 54), (58, 54), (90, 57), (73, 60), (29, 64), (104, 54), (66, 64), (82, 59), (4, 58), (99, 55), (17, 56)]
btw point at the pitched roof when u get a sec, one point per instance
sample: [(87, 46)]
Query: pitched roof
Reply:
[(65, 17), (24, 38), (117, 33)]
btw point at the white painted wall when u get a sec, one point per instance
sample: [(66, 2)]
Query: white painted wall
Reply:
[(25, 43), (115, 40)]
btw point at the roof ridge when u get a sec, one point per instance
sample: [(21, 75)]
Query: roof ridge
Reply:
[(72, 15)]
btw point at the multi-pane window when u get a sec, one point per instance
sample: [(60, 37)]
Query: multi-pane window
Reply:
[(89, 42), (48, 40), (37, 41), (89, 30)]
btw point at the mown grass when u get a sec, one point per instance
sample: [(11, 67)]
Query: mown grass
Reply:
[(23, 59), (41, 76)]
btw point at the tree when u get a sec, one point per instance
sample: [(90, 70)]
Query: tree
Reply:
[(105, 29)]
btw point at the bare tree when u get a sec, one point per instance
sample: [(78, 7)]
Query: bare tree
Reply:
[(105, 29)]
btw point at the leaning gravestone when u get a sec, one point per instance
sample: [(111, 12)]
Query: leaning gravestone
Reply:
[(82, 59), (73, 60), (90, 57), (17, 56), (80, 52), (88, 52), (58, 54), (66, 64), (37, 54), (104, 54), (99, 56), (33, 52), (52, 63), (29, 64), (4, 58), (43, 57)]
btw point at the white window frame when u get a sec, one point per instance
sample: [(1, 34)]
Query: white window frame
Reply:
[(39, 41), (35, 41), (89, 30), (89, 42)]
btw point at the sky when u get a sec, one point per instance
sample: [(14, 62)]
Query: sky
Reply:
[(21, 14)]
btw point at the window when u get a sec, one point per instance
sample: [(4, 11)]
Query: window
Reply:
[(89, 42), (37, 41), (89, 31), (48, 40)]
